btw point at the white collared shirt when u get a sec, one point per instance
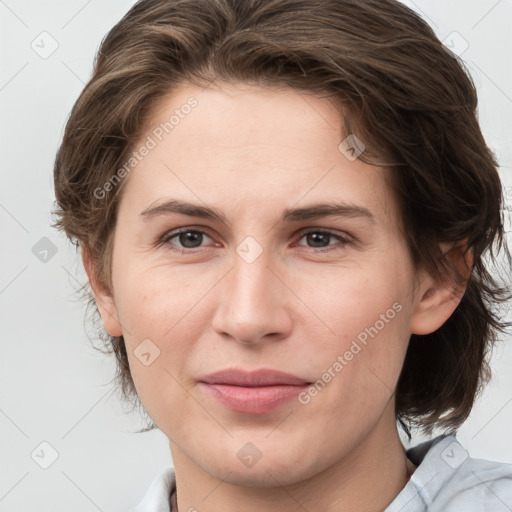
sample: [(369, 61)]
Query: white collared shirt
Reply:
[(446, 480)]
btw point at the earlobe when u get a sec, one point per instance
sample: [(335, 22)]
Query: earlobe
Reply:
[(104, 299)]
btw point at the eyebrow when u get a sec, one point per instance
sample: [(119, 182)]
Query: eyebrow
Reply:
[(315, 211)]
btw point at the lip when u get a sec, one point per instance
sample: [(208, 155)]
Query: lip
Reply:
[(254, 392), (261, 377)]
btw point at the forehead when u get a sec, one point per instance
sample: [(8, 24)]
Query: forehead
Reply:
[(241, 142), (226, 117)]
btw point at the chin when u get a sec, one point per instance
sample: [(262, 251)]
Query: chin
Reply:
[(280, 468)]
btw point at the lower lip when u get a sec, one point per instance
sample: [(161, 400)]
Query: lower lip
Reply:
[(253, 400)]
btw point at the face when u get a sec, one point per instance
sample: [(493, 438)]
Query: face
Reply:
[(268, 283)]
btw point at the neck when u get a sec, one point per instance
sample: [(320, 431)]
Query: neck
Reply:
[(368, 478)]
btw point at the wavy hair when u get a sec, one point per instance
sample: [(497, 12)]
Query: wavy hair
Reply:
[(409, 99)]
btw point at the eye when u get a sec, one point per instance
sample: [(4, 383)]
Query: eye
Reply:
[(320, 239), (187, 238)]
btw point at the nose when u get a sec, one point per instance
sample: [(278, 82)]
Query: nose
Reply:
[(254, 304)]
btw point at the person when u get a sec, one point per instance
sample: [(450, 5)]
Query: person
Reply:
[(288, 214)]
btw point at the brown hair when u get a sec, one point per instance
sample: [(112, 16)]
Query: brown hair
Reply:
[(403, 93)]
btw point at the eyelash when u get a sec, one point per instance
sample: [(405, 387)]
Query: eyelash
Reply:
[(166, 240)]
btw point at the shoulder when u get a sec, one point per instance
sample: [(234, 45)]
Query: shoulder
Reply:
[(447, 479), (477, 485)]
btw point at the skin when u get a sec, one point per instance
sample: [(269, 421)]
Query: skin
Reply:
[(251, 153)]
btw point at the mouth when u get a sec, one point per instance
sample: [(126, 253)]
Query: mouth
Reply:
[(255, 392), (255, 378)]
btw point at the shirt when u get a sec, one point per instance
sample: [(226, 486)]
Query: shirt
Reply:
[(446, 479)]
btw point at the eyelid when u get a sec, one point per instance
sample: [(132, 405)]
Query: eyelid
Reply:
[(334, 232)]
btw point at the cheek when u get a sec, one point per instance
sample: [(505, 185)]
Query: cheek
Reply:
[(162, 312), (352, 302), (153, 301), (364, 330)]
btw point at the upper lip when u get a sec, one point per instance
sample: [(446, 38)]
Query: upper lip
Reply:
[(261, 377)]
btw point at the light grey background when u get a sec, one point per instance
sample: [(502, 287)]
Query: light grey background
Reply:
[(54, 388)]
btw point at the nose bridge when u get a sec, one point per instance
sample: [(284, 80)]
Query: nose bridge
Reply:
[(251, 304), (250, 278)]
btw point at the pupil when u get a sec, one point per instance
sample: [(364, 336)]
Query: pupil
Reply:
[(189, 236), (316, 237)]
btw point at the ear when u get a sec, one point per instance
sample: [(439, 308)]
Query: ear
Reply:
[(104, 300), (436, 301)]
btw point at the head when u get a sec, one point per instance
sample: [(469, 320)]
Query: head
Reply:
[(226, 106)]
